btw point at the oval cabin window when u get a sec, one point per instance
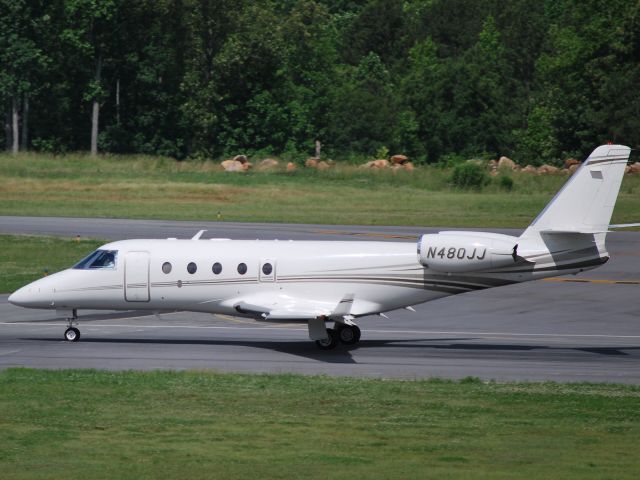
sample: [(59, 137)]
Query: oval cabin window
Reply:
[(216, 268), (191, 268), (267, 268), (242, 268), (166, 267)]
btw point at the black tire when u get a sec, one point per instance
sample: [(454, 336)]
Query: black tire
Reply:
[(349, 334), (72, 334), (331, 342), (358, 333)]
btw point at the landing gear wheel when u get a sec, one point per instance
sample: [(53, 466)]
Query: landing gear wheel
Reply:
[(349, 334), (331, 342), (72, 334)]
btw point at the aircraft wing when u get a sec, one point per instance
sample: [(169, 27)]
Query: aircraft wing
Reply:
[(285, 307)]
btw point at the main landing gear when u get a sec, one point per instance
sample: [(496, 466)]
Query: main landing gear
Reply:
[(341, 333), (72, 334)]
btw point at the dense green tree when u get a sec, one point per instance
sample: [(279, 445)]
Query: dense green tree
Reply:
[(378, 28), (452, 24), (91, 32), (209, 24), (363, 111), (21, 58), (584, 75), (204, 78), (427, 91), (143, 105), (249, 71), (483, 96), (619, 88), (462, 104), (310, 61)]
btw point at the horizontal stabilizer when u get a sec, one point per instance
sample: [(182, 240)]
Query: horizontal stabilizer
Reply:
[(574, 232), (625, 225)]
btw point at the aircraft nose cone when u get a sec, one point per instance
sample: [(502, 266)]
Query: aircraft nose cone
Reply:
[(21, 297), (17, 297), (31, 296)]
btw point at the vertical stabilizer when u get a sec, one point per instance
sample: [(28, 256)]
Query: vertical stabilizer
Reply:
[(585, 203)]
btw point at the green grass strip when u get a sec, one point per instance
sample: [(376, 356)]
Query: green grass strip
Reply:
[(96, 424), (160, 188)]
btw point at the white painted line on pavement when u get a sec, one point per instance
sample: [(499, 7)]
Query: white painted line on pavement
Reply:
[(269, 327)]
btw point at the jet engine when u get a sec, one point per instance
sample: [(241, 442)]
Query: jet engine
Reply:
[(452, 252)]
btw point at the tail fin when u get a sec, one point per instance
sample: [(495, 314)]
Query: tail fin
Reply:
[(585, 203)]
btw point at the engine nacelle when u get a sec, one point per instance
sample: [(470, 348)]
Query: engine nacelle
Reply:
[(466, 251)]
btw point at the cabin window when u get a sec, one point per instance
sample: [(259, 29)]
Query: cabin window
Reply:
[(242, 268), (216, 268), (166, 267), (100, 259), (267, 268), (191, 268)]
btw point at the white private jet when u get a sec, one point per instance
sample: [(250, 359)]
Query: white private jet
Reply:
[(331, 282)]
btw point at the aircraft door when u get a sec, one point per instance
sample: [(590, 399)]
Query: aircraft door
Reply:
[(136, 277), (267, 270)]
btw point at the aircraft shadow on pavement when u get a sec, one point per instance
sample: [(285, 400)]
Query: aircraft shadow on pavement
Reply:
[(299, 348), (340, 355), (94, 317), (343, 353), (492, 347)]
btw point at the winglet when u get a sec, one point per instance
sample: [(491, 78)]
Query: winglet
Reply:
[(198, 235), (343, 309)]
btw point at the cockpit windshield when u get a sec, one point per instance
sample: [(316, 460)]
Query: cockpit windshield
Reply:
[(99, 259)]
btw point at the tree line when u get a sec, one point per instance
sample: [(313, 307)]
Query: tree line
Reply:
[(535, 79)]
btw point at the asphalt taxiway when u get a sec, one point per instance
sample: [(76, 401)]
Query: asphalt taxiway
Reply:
[(577, 328)]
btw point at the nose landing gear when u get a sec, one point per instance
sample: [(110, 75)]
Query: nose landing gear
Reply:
[(72, 334)]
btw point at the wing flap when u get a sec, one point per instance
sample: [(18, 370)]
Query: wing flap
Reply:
[(293, 314)]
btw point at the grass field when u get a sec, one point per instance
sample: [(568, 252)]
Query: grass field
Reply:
[(24, 259), (127, 425), (148, 187)]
